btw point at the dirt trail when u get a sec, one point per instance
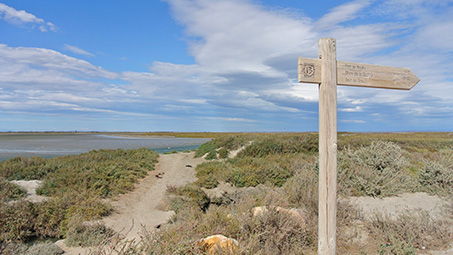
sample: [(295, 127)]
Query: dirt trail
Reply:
[(140, 207)]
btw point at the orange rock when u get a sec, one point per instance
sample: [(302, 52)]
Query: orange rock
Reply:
[(219, 244)]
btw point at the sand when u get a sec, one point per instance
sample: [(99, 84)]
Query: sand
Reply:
[(30, 187), (141, 207), (394, 206)]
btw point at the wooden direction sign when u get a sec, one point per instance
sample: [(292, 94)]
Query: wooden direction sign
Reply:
[(359, 75), (328, 73)]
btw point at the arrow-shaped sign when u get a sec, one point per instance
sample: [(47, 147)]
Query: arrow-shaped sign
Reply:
[(359, 75)]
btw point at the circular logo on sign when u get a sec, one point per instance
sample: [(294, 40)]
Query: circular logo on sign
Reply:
[(309, 70)]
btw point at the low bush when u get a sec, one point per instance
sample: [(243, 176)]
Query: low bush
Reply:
[(209, 174), (436, 176), (302, 189), (408, 232), (16, 221), (44, 248), (23, 168), (207, 182), (86, 233), (281, 144), (187, 196), (211, 155), (250, 172), (223, 153), (10, 191), (377, 170), (276, 233), (104, 173)]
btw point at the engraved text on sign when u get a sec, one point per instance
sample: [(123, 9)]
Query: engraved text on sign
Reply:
[(359, 75)]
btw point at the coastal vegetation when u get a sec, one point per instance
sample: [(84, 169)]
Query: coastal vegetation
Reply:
[(75, 187), (271, 173), (277, 171)]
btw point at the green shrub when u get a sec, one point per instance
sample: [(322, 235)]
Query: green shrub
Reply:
[(223, 153), (10, 191), (376, 170), (23, 168), (277, 233), (436, 177), (380, 155), (216, 168), (209, 174), (205, 148), (16, 221), (44, 248), (104, 173), (207, 181), (188, 196), (302, 189), (249, 172), (408, 232), (85, 234), (211, 155), (281, 144), (51, 216)]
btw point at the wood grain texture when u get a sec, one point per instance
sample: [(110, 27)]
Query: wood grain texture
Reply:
[(359, 75), (327, 148)]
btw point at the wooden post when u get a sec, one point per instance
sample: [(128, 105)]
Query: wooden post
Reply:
[(328, 73), (327, 148)]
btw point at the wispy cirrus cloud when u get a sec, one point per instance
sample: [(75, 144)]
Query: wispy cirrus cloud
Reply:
[(20, 17), (77, 50), (340, 14)]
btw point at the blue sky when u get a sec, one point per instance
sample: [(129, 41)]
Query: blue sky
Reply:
[(217, 65)]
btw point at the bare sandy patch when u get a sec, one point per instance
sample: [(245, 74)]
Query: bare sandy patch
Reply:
[(30, 187), (394, 206), (141, 207)]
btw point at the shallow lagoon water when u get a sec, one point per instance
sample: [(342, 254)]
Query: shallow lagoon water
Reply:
[(54, 145)]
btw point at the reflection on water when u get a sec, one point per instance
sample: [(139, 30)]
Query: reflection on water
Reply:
[(53, 145)]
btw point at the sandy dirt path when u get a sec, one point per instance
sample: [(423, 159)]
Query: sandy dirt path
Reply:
[(141, 206)]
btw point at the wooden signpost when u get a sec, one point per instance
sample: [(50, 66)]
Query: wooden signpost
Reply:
[(328, 73)]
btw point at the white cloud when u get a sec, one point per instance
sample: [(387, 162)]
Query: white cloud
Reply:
[(355, 109), (77, 50), (14, 16), (239, 35), (354, 121), (340, 14), (229, 119), (23, 66)]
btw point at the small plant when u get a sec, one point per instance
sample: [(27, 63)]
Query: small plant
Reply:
[(223, 153), (86, 233), (409, 231), (44, 248), (189, 195), (207, 181), (211, 155), (16, 221), (437, 176), (250, 172), (10, 191)]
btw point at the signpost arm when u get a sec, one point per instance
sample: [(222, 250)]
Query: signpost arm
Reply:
[(327, 148)]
